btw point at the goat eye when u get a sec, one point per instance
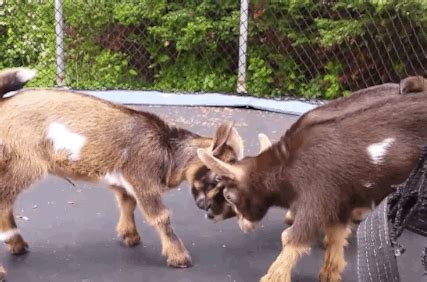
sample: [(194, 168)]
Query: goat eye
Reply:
[(218, 179)]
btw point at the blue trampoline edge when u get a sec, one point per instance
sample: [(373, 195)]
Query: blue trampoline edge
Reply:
[(155, 98)]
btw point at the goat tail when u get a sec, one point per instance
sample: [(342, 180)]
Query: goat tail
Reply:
[(413, 84), (14, 79)]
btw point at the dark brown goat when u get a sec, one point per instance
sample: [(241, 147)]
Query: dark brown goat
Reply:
[(325, 166), (74, 135), (219, 208)]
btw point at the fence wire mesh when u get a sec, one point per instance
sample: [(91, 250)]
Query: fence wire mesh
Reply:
[(316, 49), (324, 48)]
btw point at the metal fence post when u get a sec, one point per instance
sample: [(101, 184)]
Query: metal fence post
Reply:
[(243, 40), (59, 30)]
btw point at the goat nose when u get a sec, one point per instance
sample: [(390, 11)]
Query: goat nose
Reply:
[(200, 202), (208, 204), (210, 214)]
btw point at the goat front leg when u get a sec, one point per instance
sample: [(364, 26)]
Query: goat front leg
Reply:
[(126, 228), (281, 269), (156, 214), (334, 263)]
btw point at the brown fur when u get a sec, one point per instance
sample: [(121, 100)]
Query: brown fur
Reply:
[(321, 168), (141, 153)]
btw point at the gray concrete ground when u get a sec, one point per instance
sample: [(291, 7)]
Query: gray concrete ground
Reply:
[(71, 230)]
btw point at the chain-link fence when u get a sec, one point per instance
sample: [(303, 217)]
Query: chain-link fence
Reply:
[(316, 49), (320, 48)]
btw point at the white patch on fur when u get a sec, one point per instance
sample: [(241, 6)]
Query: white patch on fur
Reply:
[(25, 74), (368, 184), (377, 151), (117, 179), (289, 215), (7, 235), (64, 139)]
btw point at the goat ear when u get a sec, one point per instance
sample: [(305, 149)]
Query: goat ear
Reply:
[(226, 134), (221, 136), (264, 142), (231, 195), (219, 167), (236, 143)]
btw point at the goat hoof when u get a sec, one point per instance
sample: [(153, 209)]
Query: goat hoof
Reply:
[(131, 240), (276, 273), (2, 273), (329, 277), (274, 277), (18, 248), (179, 261)]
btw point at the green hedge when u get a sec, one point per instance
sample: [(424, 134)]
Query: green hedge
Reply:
[(301, 48)]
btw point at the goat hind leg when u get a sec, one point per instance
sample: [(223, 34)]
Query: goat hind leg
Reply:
[(9, 232), (18, 173), (126, 227)]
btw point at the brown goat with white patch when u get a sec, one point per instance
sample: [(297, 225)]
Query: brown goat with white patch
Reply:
[(332, 160), (81, 137)]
